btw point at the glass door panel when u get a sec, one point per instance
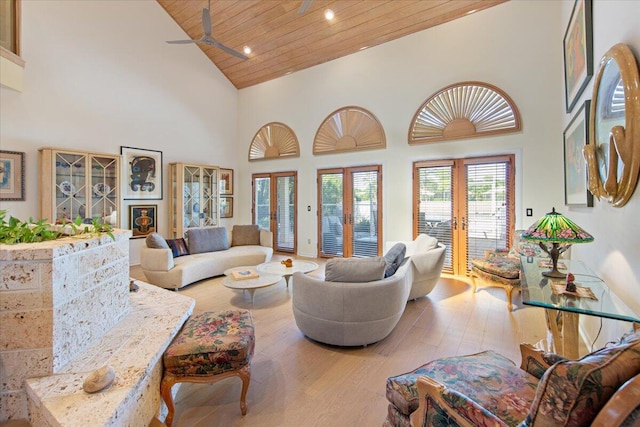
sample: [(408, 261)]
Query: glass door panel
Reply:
[(191, 196), (262, 201), (209, 212), (71, 190), (331, 214), (435, 207), (285, 213), (364, 216), (104, 188)]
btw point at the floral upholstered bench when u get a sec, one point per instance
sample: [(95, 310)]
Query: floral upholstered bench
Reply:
[(210, 347)]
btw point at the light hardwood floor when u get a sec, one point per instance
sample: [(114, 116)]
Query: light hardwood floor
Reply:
[(296, 381)]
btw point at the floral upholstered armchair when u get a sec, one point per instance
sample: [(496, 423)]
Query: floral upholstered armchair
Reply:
[(487, 389), (501, 267)]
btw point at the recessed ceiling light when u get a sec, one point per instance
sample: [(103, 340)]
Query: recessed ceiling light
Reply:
[(247, 50), (364, 47), (329, 14), (471, 11)]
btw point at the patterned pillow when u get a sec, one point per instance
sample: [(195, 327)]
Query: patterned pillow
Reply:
[(522, 247), (178, 247), (573, 392)]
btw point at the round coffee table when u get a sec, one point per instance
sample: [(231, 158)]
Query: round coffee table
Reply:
[(262, 281), (276, 267)]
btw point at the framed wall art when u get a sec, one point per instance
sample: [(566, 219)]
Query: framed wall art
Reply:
[(142, 220), (226, 207), (578, 52), (142, 173), (576, 136), (11, 175), (226, 181)]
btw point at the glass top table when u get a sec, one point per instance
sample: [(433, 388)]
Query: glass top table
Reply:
[(537, 290), (562, 310)]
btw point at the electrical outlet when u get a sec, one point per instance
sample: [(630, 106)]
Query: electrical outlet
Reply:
[(308, 241)]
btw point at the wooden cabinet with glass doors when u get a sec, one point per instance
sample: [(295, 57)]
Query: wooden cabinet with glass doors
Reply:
[(193, 196), (79, 184)]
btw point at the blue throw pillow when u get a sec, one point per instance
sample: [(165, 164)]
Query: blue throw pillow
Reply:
[(394, 258), (178, 247)]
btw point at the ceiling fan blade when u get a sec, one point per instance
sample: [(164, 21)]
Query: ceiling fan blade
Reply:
[(229, 50), (304, 6), (206, 22), (182, 41)]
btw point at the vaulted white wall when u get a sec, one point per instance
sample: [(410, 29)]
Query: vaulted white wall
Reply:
[(99, 75), (510, 46)]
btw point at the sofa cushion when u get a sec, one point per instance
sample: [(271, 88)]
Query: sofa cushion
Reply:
[(243, 235), (573, 392), (394, 258), (178, 247), (355, 269), (207, 239), (156, 241)]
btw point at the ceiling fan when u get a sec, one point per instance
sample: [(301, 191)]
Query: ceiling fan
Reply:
[(304, 6), (207, 38)]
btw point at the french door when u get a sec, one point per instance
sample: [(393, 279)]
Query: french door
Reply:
[(274, 207), (467, 204), (350, 214)]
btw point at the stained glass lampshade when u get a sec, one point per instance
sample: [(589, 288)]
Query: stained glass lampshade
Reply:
[(556, 229)]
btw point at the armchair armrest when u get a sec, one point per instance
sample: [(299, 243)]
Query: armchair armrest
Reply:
[(156, 259), (620, 406), (428, 388), (535, 361), (266, 238)]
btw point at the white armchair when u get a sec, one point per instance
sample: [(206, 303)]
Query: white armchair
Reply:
[(426, 257)]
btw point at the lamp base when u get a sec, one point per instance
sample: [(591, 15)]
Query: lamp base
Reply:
[(554, 274)]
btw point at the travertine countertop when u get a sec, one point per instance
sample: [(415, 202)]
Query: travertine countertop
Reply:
[(133, 347)]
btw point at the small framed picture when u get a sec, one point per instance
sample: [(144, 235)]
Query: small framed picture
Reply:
[(576, 136), (142, 173), (226, 207), (226, 182), (142, 220), (11, 175)]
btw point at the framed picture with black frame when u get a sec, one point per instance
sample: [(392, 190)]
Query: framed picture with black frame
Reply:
[(142, 220), (11, 175), (578, 52), (576, 136), (142, 173)]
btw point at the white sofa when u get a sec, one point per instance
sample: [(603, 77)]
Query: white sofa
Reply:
[(162, 269)]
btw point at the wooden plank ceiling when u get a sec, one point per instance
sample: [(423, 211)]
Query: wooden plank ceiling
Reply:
[(283, 41)]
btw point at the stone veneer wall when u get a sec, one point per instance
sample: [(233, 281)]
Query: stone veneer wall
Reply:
[(56, 299)]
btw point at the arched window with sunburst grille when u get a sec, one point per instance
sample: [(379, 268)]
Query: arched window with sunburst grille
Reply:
[(274, 140), (464, 110), (349, 129)]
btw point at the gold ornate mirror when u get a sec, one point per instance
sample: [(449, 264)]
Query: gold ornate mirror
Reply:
[(613, 151)]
